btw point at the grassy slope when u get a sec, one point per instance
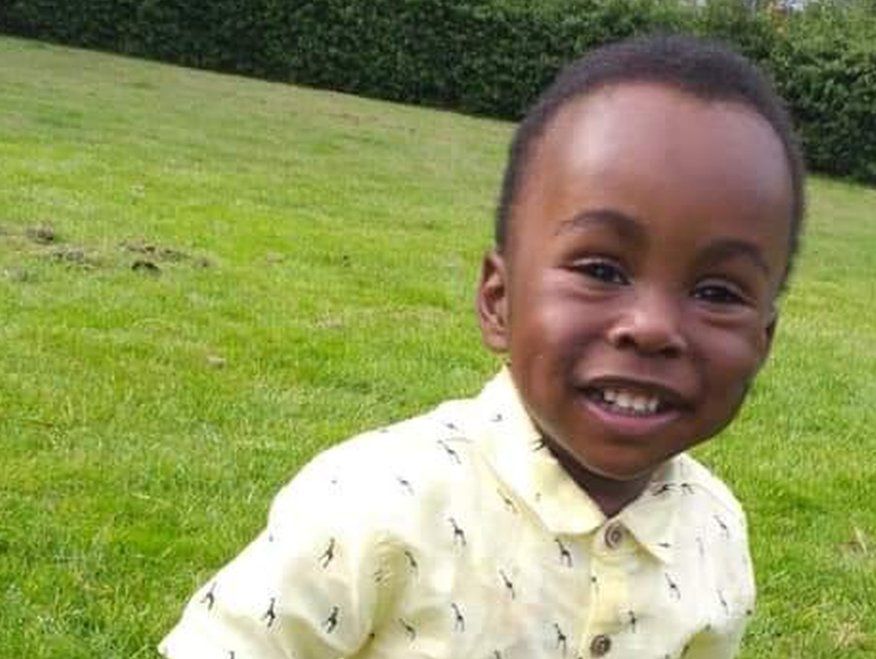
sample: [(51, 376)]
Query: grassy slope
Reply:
[(325, 247)]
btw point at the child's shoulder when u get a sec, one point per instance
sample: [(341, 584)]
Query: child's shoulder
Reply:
[(425, 451), (412, 440), (695, 477)]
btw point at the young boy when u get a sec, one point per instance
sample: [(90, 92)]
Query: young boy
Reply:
[(648, 218)]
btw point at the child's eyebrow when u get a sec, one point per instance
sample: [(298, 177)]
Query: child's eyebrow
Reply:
[(728, 248), (626, 226), (632, 230)]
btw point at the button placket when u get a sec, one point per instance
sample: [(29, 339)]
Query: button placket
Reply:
[(612, 550)]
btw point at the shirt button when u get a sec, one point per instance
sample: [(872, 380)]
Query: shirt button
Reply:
[(600, 645), (614, 535)]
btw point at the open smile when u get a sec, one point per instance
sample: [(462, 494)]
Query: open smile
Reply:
[(629, 407), (623, 401)]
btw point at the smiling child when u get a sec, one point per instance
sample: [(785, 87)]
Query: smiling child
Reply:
[(649, 215)]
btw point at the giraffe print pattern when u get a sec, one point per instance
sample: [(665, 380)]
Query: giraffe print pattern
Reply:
[(270, 616), (562, 640), (410, 631), (451, 452), (328, 555), (565, 554), (458, 533), (332, 620), (538, 586), (458, 618), (509, 585), (209, 598), (412, 562)]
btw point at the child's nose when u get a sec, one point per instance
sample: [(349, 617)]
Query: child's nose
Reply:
[(650, 324)]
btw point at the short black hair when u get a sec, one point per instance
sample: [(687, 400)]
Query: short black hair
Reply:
[(705, 69)]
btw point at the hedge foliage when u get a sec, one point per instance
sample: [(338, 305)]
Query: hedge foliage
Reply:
[(485, 56)]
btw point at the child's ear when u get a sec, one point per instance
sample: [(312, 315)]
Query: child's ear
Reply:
[(492, 302)]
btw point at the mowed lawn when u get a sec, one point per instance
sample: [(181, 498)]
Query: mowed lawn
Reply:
[(206, 279)]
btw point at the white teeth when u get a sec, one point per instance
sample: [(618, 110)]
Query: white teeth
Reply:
[(631, 402)]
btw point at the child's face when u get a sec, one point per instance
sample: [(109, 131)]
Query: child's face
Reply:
[(635, 296)]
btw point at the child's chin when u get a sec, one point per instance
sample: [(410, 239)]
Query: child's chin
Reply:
[(624, 473), (624, 467)]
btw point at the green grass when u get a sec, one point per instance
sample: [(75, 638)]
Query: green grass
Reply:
[(317, 257)]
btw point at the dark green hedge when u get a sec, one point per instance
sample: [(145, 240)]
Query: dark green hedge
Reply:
[(827, 69), (482, 56)]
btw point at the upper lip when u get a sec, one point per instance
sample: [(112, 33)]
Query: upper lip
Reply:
[(666, 393)]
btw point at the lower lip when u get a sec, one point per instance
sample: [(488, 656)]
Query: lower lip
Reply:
[(628, 424)]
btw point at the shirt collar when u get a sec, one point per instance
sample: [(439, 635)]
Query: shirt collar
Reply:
[(514, 449), (651, 517)]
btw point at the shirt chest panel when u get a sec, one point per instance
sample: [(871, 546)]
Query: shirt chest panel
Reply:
[(490, 582)]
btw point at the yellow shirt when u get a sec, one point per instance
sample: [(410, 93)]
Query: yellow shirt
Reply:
[(456, 534)]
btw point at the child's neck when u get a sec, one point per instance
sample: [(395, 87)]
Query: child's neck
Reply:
[(609, 494)]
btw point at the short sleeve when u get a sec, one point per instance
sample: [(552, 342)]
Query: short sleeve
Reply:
[(303, 588), (714, 645), (737, 599)]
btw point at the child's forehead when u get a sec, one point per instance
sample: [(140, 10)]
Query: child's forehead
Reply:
[(629, 122), (655, 136), (654, 151)]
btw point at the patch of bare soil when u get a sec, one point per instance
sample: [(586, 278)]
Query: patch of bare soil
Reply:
[(72, 255), (146, 266), (150, 255), (42, 234), (42, 240)]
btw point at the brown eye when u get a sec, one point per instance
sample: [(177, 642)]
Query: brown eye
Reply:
[(717, 294), (603, 271)]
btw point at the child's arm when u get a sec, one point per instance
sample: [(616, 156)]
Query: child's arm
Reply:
[(723, 638), (304, 588)]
